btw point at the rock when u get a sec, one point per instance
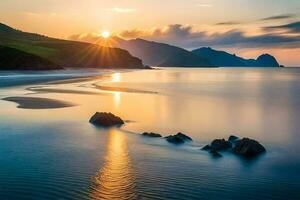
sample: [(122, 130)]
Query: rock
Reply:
[(215, 154), (206, 148), (174, 139), (248, 148), (179, 138), (155, 135), (232, 138), (106, 120), (184, 137), (220, 144)]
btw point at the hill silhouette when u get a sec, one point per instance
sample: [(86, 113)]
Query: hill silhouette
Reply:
[(164, 55), (224, 59), (13, 59), (68, 54)]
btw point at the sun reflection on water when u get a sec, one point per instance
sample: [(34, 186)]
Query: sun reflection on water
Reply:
[(117, 98), (116, 77), (116, 179)]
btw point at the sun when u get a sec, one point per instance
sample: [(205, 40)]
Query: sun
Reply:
[(105, 34)]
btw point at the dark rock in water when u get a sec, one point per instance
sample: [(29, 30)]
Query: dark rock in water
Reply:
[(232, 138), (220, 144), (184, 137), (174, 139), (215, 154), (248, 148), (179, 138), (106, 120), (206, 148), (155, 135)]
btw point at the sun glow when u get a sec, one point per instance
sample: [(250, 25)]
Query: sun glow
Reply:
[(105, 34)]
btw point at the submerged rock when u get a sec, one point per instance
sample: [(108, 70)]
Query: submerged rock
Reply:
[(179, 138), (215, 154), (106, 120), (151, 134), (220, 145), (248, 148)]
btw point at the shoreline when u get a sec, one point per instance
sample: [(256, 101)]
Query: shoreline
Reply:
[(12, 79)]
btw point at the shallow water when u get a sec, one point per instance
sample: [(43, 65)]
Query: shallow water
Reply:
[(57, 154)]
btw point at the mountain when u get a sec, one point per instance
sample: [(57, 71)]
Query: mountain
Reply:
[(160, 54), (68, 54), (224, 59), (13, 59), (164, 55), (266, 60)]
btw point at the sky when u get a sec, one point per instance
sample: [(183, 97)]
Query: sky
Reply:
[(245, 27)]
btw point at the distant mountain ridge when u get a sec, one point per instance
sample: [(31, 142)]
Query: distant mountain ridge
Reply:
[(224, 59), (68, 54), (164, 55), (160, 54)]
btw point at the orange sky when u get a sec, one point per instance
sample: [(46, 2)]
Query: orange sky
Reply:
[(63, 19)]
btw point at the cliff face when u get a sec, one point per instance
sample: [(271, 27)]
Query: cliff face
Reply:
[(66, 53)]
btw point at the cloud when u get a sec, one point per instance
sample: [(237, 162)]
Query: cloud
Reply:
[(204, 5), (122, 10), (187, 37), (228, 23), (290, 28), (278, 17), (33, 14)]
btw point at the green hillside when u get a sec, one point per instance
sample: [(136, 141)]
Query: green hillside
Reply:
[(14, 59), (70, 54)]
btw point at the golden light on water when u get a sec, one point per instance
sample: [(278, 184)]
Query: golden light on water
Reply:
[(116, 179), (116, 77), (117, 99)]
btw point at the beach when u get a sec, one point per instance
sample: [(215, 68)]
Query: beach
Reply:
[(51, 151)]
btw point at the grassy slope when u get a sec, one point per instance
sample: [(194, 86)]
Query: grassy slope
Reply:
[(14, 59), (67, 53)]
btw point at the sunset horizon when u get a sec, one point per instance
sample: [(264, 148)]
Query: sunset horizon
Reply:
[(246, 28), (149, 100)]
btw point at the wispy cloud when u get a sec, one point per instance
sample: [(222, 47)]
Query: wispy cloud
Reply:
[(278, 17), (33, 14), (228, 23), (290, 28), (122, 10), (204, 5)]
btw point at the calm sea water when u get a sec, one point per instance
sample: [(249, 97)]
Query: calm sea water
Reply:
[(57, 154)]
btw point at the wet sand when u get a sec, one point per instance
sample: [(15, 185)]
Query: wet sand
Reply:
[(60, 91), (38, 103), (122, 89)]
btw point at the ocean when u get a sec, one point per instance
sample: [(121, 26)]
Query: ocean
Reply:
[(50, 152)]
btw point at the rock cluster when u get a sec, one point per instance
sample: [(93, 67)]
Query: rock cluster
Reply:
[(179, 138), (245, 147)]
